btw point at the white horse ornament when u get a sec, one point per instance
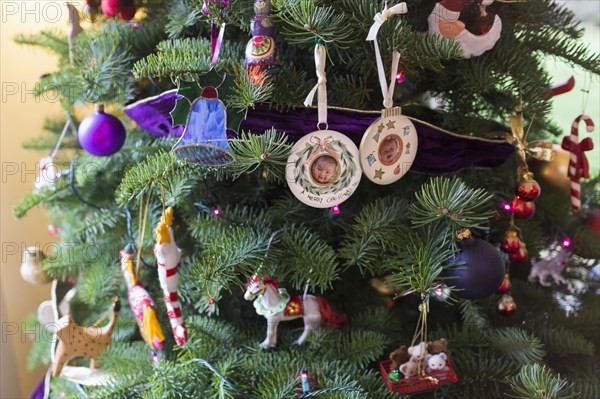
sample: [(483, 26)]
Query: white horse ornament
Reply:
[(276, 305)]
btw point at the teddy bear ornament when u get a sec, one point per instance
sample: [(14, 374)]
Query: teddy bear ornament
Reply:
[(420, 367)]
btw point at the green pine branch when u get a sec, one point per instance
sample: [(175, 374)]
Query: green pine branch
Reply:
[(472, 315), (564, 342), (251, 87), (52, 40), (303, 21), (159, 167), (518, 345), (59, 190), (451, 201), (421, 260), (535, 381), (307, 259), (265, 155)]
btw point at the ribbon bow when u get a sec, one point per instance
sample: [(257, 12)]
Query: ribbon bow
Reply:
[(321, 86), (323, 146), (582, 167), (541, 150), (382, 16)]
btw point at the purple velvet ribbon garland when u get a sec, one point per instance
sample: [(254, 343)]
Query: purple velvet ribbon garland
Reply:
[(40, 390), (439, 151)]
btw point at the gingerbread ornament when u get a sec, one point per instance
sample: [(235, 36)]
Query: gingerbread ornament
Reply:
[(444, 21), (75, 340)]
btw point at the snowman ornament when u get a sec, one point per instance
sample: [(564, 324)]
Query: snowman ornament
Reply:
[(444, 21)]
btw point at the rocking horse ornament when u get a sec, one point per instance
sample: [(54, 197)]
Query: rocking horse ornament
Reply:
[(276, 305)]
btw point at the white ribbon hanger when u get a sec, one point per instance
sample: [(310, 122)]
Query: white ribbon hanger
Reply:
[(380, 18), (320, 87)]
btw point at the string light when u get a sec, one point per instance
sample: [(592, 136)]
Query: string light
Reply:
[(305, 382), (506, 206), (335, 209), (400, 77), (155, 357), (566, 242), (257, 75), (216, 212)]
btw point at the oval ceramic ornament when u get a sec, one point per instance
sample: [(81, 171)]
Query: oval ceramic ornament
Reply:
[(388, 148), (323, 169)]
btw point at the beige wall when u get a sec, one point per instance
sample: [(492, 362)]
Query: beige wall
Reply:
[(21, 117)]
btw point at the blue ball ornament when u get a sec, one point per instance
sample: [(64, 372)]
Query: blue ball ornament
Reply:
[(477, 271)]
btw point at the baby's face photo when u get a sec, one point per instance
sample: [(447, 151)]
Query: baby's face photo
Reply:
[(324, 170), (389, 150)]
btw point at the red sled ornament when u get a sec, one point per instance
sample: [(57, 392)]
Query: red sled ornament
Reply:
[(434, 380)]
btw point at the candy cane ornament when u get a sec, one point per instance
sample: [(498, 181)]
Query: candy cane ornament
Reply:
[(578, 164), (167, 258)]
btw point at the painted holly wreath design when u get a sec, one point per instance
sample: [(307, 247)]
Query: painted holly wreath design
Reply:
[(324, 166)]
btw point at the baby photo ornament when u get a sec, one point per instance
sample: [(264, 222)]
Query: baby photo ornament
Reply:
[(323, 169), (388, 148)]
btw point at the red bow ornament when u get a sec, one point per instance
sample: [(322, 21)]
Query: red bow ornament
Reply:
[(582, 167)]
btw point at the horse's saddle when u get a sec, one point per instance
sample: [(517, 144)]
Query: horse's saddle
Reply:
[(290, 306)]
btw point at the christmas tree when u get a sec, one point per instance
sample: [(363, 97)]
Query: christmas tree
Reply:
[(188, 220)]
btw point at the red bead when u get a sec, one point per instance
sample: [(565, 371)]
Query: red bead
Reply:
[(520, 256), (511, 242), (127, 13), (110, 8), (211, 301), (506, 305), (523, 209), (528, 189), (505, 286)]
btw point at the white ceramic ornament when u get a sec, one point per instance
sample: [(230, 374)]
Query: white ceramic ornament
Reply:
[(388, 148), (323, 169), (444, 21), (31, 269)]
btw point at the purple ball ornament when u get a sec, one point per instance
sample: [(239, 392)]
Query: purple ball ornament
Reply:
[(101, 134), (478, 271)]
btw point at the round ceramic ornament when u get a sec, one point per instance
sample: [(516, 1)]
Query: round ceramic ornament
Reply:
[(388, 148), (323, 169)]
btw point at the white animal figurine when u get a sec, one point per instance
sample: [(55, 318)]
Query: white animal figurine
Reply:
[(542, 269), (416, 363), (276, 305), (436, 362), (47, 173)]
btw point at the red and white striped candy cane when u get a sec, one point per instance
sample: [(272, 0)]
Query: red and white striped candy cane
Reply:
[(574, 162), (167, 258)]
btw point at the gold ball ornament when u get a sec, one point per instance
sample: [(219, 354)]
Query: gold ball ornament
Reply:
[(555, 172), (31, 268)]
